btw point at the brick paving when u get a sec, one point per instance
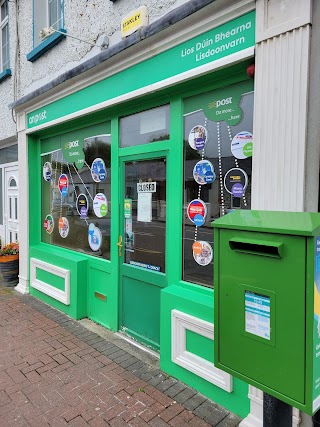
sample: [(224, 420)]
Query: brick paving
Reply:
[(55, 372)]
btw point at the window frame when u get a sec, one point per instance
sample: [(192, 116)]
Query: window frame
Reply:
[(49, 42), (3, 24)]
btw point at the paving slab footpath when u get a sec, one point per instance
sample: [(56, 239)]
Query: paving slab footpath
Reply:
[(55, 371)]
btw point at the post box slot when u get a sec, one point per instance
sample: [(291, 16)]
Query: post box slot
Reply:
[(257, 247)]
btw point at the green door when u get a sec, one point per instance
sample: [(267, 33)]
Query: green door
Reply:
[(143, 251), (149, 216)]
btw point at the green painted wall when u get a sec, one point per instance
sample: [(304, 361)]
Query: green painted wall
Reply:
[(198, 302), (46, 277), (91, 276), (77, 265), (199, 345)]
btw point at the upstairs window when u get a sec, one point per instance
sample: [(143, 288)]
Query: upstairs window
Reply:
[(46, 13), (4, 36)]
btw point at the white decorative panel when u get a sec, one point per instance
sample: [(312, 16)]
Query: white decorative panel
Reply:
[(275, 17), (181, 322), (280, 115), (46, 288)]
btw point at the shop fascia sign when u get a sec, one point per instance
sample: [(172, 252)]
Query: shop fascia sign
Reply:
[(134, 21), (227, 39)]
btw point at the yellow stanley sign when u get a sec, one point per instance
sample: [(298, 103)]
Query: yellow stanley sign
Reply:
[(131, 23)]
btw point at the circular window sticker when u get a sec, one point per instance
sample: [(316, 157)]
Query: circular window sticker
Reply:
[(198, 137), (203, 253), (197, 211), (63, 227), (49, 224), (242, 144), (100, 205), (98, 170), (47, 171), (236, 181), (94, 237), (203, 172), (63, 184), (82, 205)]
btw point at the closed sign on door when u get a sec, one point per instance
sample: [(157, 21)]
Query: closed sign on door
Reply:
[(146, 187)]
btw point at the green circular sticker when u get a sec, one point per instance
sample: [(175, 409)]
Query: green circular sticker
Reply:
[(100, 205), (103, 210), (247, 149), (241, 145)]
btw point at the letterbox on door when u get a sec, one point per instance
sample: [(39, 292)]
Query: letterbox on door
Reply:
[(267, 302)]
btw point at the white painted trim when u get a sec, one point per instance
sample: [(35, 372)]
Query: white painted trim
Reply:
[(296, 419), (181, 322), (23, 285), (23, 214), (316, 404), (251, 421), (255, 418), (171, 81), (212, 16), (62, 296), (301, 15)]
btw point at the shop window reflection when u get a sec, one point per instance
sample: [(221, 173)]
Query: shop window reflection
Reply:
[(81, 211), (217, 177)]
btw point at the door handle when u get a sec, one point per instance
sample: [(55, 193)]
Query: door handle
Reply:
[(119, 244)]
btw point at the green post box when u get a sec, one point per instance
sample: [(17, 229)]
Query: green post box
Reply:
[(267, 302)]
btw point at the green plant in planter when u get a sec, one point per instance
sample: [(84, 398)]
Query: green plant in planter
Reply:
[(9, 264)]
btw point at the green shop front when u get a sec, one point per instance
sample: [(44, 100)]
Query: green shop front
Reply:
[(125, 177)]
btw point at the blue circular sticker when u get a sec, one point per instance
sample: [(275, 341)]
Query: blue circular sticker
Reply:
[(64, 191), (237, 190), (203, 172), (198, 137), (94, 237), (47, 171), (198, 220), (83, 212), (98, 170)]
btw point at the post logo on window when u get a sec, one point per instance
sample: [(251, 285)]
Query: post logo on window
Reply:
[(220, 102)]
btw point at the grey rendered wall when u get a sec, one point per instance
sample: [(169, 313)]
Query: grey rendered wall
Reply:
[(86, 19), (7, 125)]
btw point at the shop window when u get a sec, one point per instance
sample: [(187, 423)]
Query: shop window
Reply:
[(218, 146), (145, 127), (76, 188), (4, 36)]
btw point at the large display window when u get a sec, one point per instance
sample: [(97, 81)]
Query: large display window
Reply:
[(76, 190), (218, 145)]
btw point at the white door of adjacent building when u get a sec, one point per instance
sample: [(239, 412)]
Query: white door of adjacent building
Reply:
[(11, 192)]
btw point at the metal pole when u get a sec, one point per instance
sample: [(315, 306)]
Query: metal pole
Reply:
[(275, 412)]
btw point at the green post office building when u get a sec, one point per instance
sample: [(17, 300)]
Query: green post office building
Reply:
[(125, 160)]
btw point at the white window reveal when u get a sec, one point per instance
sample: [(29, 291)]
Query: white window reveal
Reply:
[(4, 36), (46, 13)]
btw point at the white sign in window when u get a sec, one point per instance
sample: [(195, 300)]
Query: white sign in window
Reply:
[(146, 187), (144, 207)]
